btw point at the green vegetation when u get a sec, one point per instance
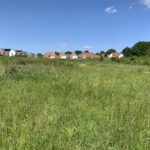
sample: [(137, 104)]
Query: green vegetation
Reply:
[(73, 105), (39, 55), (139, 49), (110, 51), (131, 60)]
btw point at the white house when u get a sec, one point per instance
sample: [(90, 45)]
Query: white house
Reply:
[(12, 53), (50, 55), (62, 56), (73, 56), (116, 55)]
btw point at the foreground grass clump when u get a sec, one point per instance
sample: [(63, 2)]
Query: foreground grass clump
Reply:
[(74, 105)]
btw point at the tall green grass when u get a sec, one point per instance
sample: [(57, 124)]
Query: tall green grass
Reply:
[(73, 105)]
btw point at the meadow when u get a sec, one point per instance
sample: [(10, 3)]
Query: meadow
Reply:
[(73, 105)]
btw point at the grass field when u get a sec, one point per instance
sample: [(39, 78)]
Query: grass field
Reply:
[(73, 105)]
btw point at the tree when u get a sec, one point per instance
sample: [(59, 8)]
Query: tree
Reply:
[(141, 49), (127, 51), (86, 51), (109, 51), (78, 52), (102, 52), (39, 55), (57, 53), (68, 52)]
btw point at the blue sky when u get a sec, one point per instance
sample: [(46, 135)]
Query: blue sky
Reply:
[(60, 25)]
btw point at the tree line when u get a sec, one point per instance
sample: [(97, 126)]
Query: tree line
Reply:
[(141, 48)]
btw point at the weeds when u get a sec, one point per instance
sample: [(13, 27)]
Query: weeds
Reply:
[(63, 105)]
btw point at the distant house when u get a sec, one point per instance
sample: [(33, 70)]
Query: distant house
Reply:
[(62, 56), (88, 55), (12, 53), (73, 56), (20, 53), (7, 52), (1, 52), (83, 56), (50, 55), (103, 55), (116, 55)]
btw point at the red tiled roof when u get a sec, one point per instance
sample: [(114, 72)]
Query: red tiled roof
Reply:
[(50, 54), (88, 55)]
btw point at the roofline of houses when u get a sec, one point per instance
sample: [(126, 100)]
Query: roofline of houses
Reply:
[(53, 55), (84, 55)]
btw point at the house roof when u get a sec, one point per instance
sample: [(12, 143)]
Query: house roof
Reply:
[(117, 54), (50, 54), (7, 50), (19, 51), (88, 55), (62, 54), (73, 54)]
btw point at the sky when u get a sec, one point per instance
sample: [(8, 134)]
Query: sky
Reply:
[(62, 25)]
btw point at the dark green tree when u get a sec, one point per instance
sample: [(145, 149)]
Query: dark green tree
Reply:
[(57, 53), (78, 52), (141, 49), (39, 55), (68, 52), (109, 51), (86, 51), (127, 51), (102, 52)]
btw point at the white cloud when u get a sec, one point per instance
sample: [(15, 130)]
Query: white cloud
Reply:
[(130, 7), (87, 47), (146, 3), (111, 10)]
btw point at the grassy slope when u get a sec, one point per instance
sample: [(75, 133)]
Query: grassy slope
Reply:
[(74, 106)]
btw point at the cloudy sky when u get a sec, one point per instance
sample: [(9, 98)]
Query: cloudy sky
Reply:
[(42, 25)]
